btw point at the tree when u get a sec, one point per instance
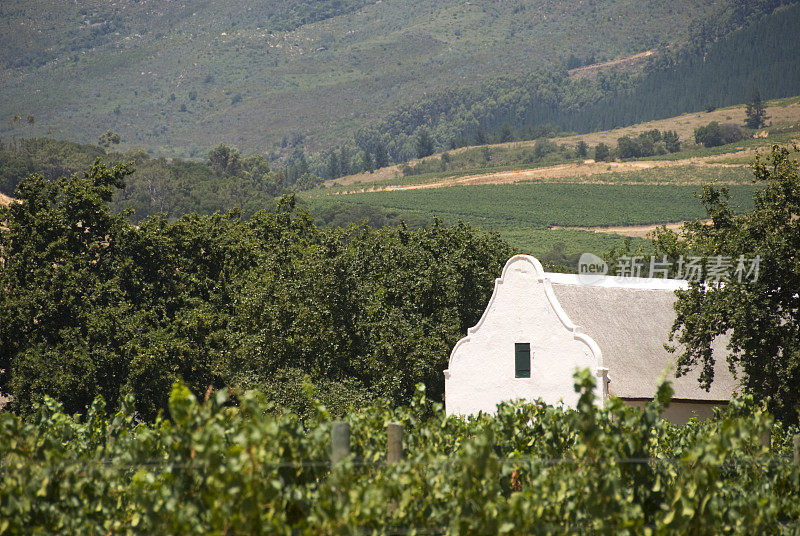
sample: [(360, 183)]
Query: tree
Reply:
[(424, 143), (333, 168), (61, 289), (544, 147), (714, 134), (602, 152), (367, 164), (672, 142), (225, 160), (756, 114), (627, 147), (381, 155), (581, 149), (506, 133), (480, 136), (109, 138), (760, 313), (92, 304)]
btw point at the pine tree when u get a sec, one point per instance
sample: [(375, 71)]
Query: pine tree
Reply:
[(756, 113), (424, 144), (381, 155)]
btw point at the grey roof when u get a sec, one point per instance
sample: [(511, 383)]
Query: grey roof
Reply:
[(631, 326)]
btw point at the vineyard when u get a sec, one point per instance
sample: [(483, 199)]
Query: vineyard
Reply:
[(221, 468), (522, 213)]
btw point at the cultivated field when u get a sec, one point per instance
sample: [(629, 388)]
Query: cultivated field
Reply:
[(573, 206), (535, 216)]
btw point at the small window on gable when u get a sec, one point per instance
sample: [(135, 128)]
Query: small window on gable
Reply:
[(522, 359)]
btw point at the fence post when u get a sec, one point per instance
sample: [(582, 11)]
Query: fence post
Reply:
[(394, 443), (340, 441), (796, 443), (766, 439)]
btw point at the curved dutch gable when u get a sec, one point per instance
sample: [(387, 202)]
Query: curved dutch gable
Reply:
[(523, 309)]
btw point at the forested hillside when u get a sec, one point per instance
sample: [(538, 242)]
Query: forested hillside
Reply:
[(180, 78), (223, 181), (761, 56), (716, 68)]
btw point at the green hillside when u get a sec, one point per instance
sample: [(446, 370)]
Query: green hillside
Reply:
[(715, 69), (179, 78)]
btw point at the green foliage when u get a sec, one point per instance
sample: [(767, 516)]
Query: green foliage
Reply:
[(158, 186), (109, 138), (529, 469), (424, 143), (602, 153), (345, 214), (759, 316), (51, 158), (543, 147), (650, 143), (582, 149), (714, 134), (92, 304), (488, 158), (756, 113)]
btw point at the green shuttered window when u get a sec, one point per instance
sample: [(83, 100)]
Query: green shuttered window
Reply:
[(522, 359)]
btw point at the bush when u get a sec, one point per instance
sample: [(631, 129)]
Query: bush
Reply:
[(544, 147), (648, 144), (714, 134), (602, 152)]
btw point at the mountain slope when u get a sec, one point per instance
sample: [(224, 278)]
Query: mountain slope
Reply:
[(177, 77)]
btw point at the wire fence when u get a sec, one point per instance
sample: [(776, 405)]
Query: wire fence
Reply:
[(762, 461)]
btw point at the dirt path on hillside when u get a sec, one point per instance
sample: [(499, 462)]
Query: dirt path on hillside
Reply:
[(582, 171), (636, 231), (591, 71), (684, 125)]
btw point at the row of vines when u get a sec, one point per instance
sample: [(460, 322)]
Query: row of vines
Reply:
[(540, 205), (238, 466)]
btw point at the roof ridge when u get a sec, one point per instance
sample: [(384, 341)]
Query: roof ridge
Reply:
[(610, 281)]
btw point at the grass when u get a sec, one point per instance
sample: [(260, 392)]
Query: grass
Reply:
[(678, 174), (523, 212), (515, 156)]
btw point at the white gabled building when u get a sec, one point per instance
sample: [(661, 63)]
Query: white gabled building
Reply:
[(539, 327)]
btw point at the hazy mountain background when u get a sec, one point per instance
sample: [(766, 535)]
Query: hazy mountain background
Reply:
[(178, 77)]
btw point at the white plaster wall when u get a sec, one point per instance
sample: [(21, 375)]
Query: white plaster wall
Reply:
[(482, 366)]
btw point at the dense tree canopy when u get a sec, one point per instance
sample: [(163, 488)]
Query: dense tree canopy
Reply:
[(91, 304), (761, 315), (172, 187)]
